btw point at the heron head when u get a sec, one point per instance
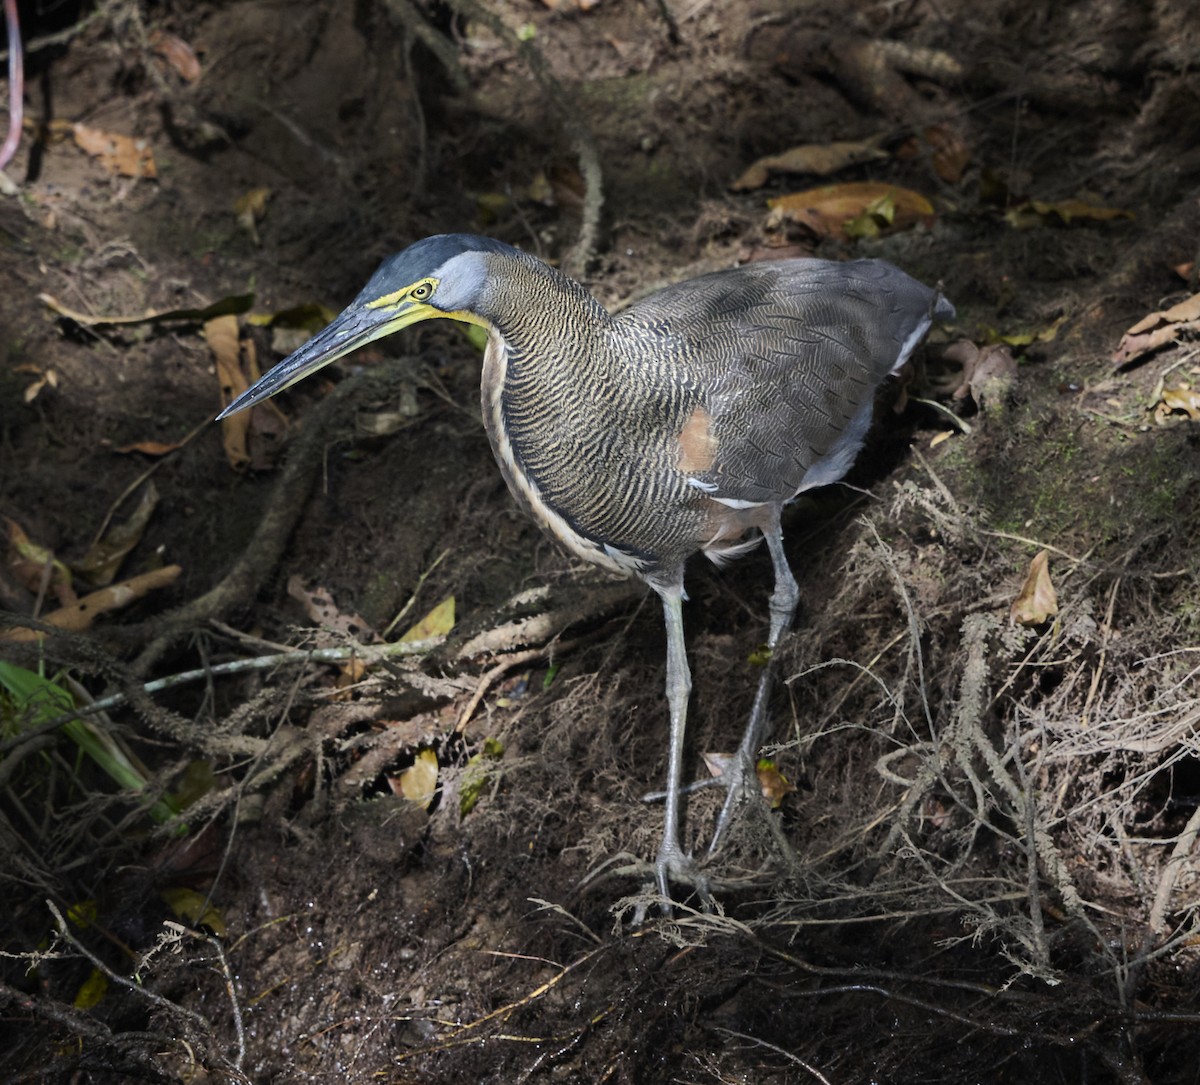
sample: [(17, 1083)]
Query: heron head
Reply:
[(439, 277)]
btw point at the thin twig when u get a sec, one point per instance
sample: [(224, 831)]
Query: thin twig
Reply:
[(64, 932), (778, 1051), (368, 653)]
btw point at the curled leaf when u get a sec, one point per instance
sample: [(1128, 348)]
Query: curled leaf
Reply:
[(1158, 329), (100, 564), (951, 155), (820, 159), (233, 304), (30, 561), (1178, 400), (1037, 602), (177, 53)]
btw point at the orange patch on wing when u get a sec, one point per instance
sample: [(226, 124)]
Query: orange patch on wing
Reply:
[(697, 445)]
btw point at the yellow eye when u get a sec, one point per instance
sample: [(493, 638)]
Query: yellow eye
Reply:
[(422, 291)]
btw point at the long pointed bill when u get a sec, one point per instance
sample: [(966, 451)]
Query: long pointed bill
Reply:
[(351, 329)]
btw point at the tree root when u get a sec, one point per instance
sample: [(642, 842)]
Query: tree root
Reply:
[(283, 510)]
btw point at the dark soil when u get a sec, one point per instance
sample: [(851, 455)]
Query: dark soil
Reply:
[(988, 870)]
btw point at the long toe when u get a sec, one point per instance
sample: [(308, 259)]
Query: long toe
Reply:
[(673, 866)]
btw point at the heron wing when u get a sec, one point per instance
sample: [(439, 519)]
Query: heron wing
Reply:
[(786, 358)]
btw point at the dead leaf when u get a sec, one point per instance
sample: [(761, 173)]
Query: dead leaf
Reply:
[(250, 209), (151, 448), (46, 378), (437, 623), (100, 564), (829, 210), (1158, 329), (951, 156), (717, 763), (1037, 602), (308, 318), (418, 782), (984, 374), (28, 561), (124, 155), (874, 218), (821, 159), (194, 909), (1183, 399), (1024, 339), (231, 305), (79, 616), (221, 334), (775, 786), (1033, 213), (319, 606), (176, 52)]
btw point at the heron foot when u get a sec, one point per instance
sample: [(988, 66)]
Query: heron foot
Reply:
[(673, 865)]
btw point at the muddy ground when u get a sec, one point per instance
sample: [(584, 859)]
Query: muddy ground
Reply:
[(987, 869)]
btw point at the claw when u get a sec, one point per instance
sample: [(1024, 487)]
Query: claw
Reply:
[(673, 865)]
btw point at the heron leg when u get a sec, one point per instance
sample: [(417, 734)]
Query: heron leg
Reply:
[(673, 861), (741, 777)]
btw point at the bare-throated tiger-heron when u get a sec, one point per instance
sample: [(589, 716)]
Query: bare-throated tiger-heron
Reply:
[(679, 424)]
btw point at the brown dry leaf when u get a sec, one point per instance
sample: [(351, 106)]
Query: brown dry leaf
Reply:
[(775, 786), (828, 210), (221, 334), (150, 448), (100, 564), (437, 623), (717, 763), (28, 561), (418, 782), (821, 159), (176, 52), (250, 209), (1158, 329), (1183, 399), (319, 606), (234, 304), (125, 155), (987, 373), (45, 378), (1033, 213), (79, 616), (951, 156), (1037, 602)]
